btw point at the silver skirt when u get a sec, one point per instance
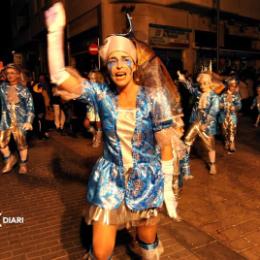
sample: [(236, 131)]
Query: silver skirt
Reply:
[(122, 216)]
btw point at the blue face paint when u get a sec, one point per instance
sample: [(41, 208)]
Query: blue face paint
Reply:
[(128, 62), (124, 61), (110, 65)]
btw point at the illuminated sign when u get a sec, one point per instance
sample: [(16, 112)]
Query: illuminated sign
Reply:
[(168, 36)]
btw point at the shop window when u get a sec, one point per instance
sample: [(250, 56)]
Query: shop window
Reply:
[(238, 42), (206, 39)]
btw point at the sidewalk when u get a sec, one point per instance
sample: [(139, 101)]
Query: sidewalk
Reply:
[(221, 216)]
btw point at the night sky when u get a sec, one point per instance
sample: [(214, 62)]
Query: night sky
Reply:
[(5, 27)]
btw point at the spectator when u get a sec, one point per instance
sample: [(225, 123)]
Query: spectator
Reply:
[(42, 105), (92, 117), (59, 115)]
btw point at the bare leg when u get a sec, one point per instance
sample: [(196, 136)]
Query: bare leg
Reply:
[(212, 162), (212, 156), (147, 234), (23, 154), (104, 237), (56, 109), (62, 119), (5, 151)]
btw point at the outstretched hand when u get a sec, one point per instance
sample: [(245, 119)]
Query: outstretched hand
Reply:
[(55, 17), (181, 76)]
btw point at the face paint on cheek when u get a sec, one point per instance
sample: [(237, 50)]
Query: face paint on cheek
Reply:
[(110, 65), (129, 64)]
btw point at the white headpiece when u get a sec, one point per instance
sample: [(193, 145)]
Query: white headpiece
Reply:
[(117, 43)]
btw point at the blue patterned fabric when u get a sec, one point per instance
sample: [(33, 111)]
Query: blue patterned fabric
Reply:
[(224, 107), (24, 110), (208, 115), (107, 186)]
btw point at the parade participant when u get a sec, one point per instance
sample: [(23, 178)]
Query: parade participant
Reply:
[(41, 102), (59, 115), (92, 117), (256, 103), (230, 104), (129, 182), (204, 116), (17, 115)]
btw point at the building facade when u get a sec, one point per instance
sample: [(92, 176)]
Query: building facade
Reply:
[(184, 33)]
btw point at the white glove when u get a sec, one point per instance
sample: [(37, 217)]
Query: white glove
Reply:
[(55, 17), (169, 196), (27, 126), (55, 22)]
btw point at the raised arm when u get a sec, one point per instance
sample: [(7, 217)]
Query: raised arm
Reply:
[(187, 84), (67, 82)]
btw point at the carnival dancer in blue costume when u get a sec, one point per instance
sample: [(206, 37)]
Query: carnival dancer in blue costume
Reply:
[(130, 181), (17, 115), (204, 116), (230, 104)]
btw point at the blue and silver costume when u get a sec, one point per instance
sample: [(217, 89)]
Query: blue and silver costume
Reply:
[(15, 112), (225, 107), (205, 109), (23, 110), (229, 105), (108, 186), (204, 113)]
